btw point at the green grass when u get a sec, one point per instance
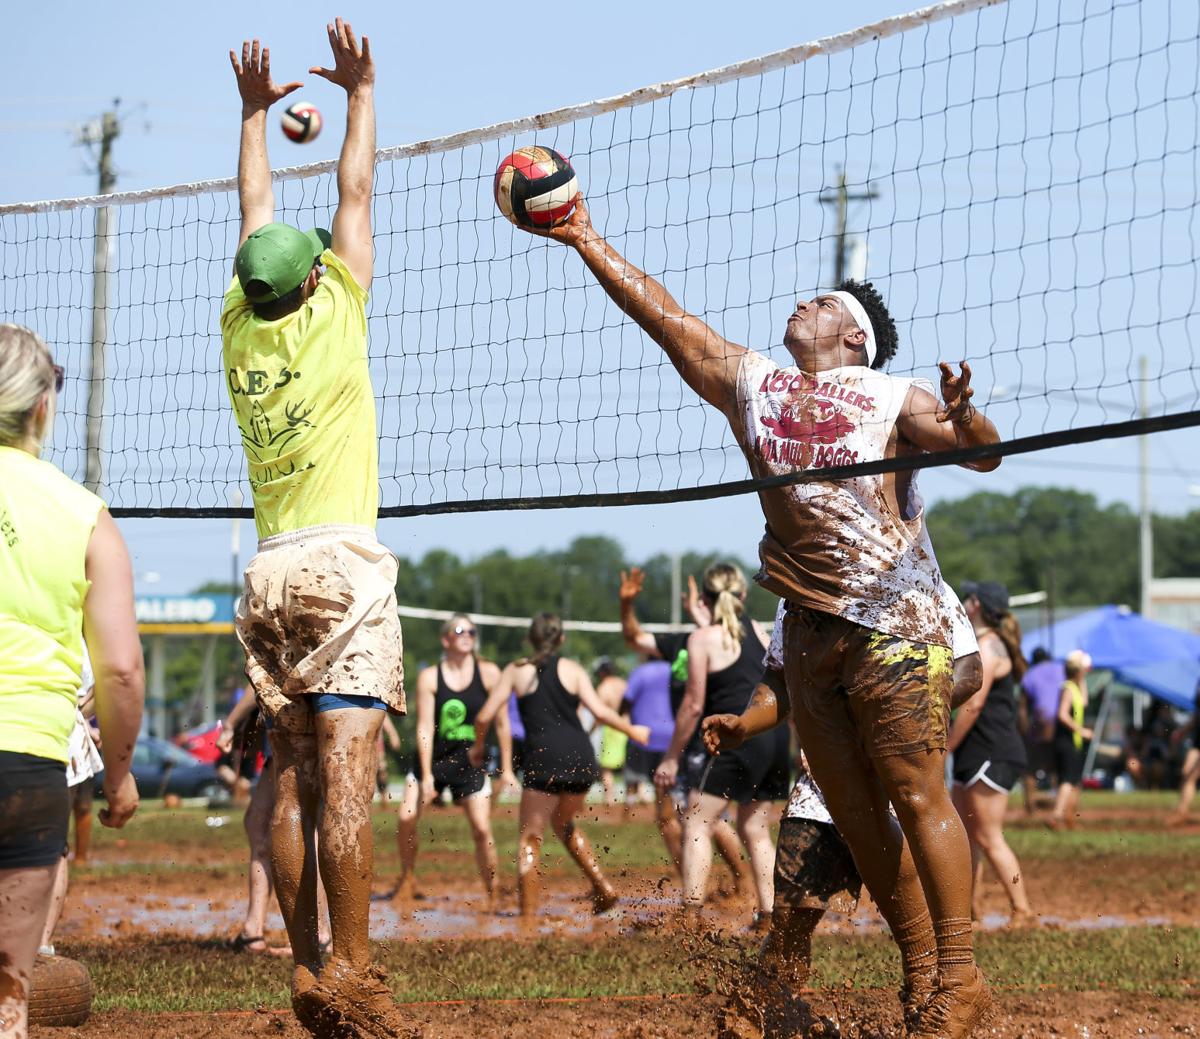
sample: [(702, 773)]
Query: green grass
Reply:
[(157, 975)]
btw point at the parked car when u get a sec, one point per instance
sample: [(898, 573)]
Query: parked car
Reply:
[(161, 768)]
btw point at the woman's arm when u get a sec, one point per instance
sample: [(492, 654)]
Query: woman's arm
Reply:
[(490, 674), (692, 707), (426, 707), (497, 699), (968, 713), (606, 715), (241, 711), (110, 630)]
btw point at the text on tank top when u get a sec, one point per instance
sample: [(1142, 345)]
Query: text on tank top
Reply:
[(728, 691), (994, 736), (837, 546), (454, 713)]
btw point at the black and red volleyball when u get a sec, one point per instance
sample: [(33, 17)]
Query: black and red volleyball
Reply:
[(534, 187), (301, 122)]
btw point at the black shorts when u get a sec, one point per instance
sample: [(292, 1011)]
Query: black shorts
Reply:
[(456, 774), (756, 771), (551, 785), (34, 810), (1041, 758), (813, 864), (1000, 776), (1068, 762), (640, 763)]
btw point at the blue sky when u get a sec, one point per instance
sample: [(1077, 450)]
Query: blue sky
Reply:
[(442, 68)]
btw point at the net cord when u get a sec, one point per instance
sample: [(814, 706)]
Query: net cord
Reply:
[(957, 456)]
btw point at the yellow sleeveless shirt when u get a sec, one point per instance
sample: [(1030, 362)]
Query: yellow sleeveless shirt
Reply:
[(46, 521)]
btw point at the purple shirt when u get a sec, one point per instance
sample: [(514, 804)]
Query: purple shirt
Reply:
[(649, 697), (1043, 683), (514, 719)]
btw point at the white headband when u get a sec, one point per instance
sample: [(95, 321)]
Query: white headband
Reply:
[(856, 311)]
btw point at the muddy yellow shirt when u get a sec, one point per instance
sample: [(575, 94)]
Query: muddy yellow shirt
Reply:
[(301, 394), (46, 522)]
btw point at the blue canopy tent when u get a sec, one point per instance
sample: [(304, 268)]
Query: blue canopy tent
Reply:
[(1153, 657)]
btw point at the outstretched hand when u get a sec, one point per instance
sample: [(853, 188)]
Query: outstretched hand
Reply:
[(571, 231), (259, 92), (353, 66), (723, 732), (631, 584), (956, 403)]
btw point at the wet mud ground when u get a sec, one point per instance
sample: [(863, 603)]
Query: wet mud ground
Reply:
[(171, 888)]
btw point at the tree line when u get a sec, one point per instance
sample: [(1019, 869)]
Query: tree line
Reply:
[(1037, 538)]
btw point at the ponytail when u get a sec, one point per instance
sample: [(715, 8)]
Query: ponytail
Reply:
[(725, 585), (1008, 630), (545, 636)]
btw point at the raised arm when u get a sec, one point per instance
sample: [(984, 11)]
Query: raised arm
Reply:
[(955, 422), (636, 638), (259, 92), (707, 361), (110, 630), (354, 71)]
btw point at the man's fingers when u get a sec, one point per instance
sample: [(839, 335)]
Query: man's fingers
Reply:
[(266, 62), (366, 49), (966, 372), (351, 42), (289, 87), (340, 28), (255, 57), (316, 70), (237, 68)]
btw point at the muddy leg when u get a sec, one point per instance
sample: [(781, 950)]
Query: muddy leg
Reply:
[(728, 846), (787, 949), (703, 813), (24, 898), (754, 827), (257, 822), (478, 810), (346, 746), (293, 854), (407, 840), (58, 898), (670, 827), (536, 809), (604, 895)]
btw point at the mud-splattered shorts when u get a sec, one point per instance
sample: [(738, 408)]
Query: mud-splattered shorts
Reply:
[(318, 615), (853, 686), (813, 865)]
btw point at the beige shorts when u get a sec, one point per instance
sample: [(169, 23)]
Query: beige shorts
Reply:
[(318, 615)]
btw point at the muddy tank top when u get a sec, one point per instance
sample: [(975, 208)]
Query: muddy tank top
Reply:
[(837, 546)]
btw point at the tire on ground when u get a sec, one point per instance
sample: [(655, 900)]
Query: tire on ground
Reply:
[(60, 992)]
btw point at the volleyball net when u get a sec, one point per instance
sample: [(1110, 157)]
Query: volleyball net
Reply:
[(1019, 179)]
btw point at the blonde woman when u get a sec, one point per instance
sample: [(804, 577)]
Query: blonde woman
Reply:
[(65, 576), (725, 663), (449, 697), (558, 762), (1071, 737)]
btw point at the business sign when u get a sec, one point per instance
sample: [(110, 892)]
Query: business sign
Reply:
[(184, 613)]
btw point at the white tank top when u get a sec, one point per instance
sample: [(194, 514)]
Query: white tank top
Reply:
[(838, 546)]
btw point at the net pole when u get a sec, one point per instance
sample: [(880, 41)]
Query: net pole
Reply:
[(94, 471)]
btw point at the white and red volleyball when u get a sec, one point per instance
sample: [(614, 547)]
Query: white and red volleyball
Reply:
[(301, 122), (534, 187)]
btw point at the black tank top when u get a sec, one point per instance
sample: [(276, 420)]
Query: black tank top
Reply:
[(728, 691), (994, 736), (454, 714), (556, 747)]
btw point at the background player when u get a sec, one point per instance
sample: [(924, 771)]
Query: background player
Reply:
[(317, 618), (559, 763), (450, 696)]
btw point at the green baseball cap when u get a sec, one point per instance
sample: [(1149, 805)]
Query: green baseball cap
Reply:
[(276, 258)]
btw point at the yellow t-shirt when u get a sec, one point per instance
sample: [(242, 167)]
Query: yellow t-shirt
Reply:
[(46, 521), (301, 394)]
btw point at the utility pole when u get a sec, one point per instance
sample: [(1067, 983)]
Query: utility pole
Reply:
[(676, 588), (841, 197), (1146, 532), (99, 136)]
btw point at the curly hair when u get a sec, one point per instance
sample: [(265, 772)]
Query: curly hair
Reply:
[(886, 337)]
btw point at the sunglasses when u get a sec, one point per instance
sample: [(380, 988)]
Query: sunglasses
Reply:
[(60, 373), (460, 630)]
